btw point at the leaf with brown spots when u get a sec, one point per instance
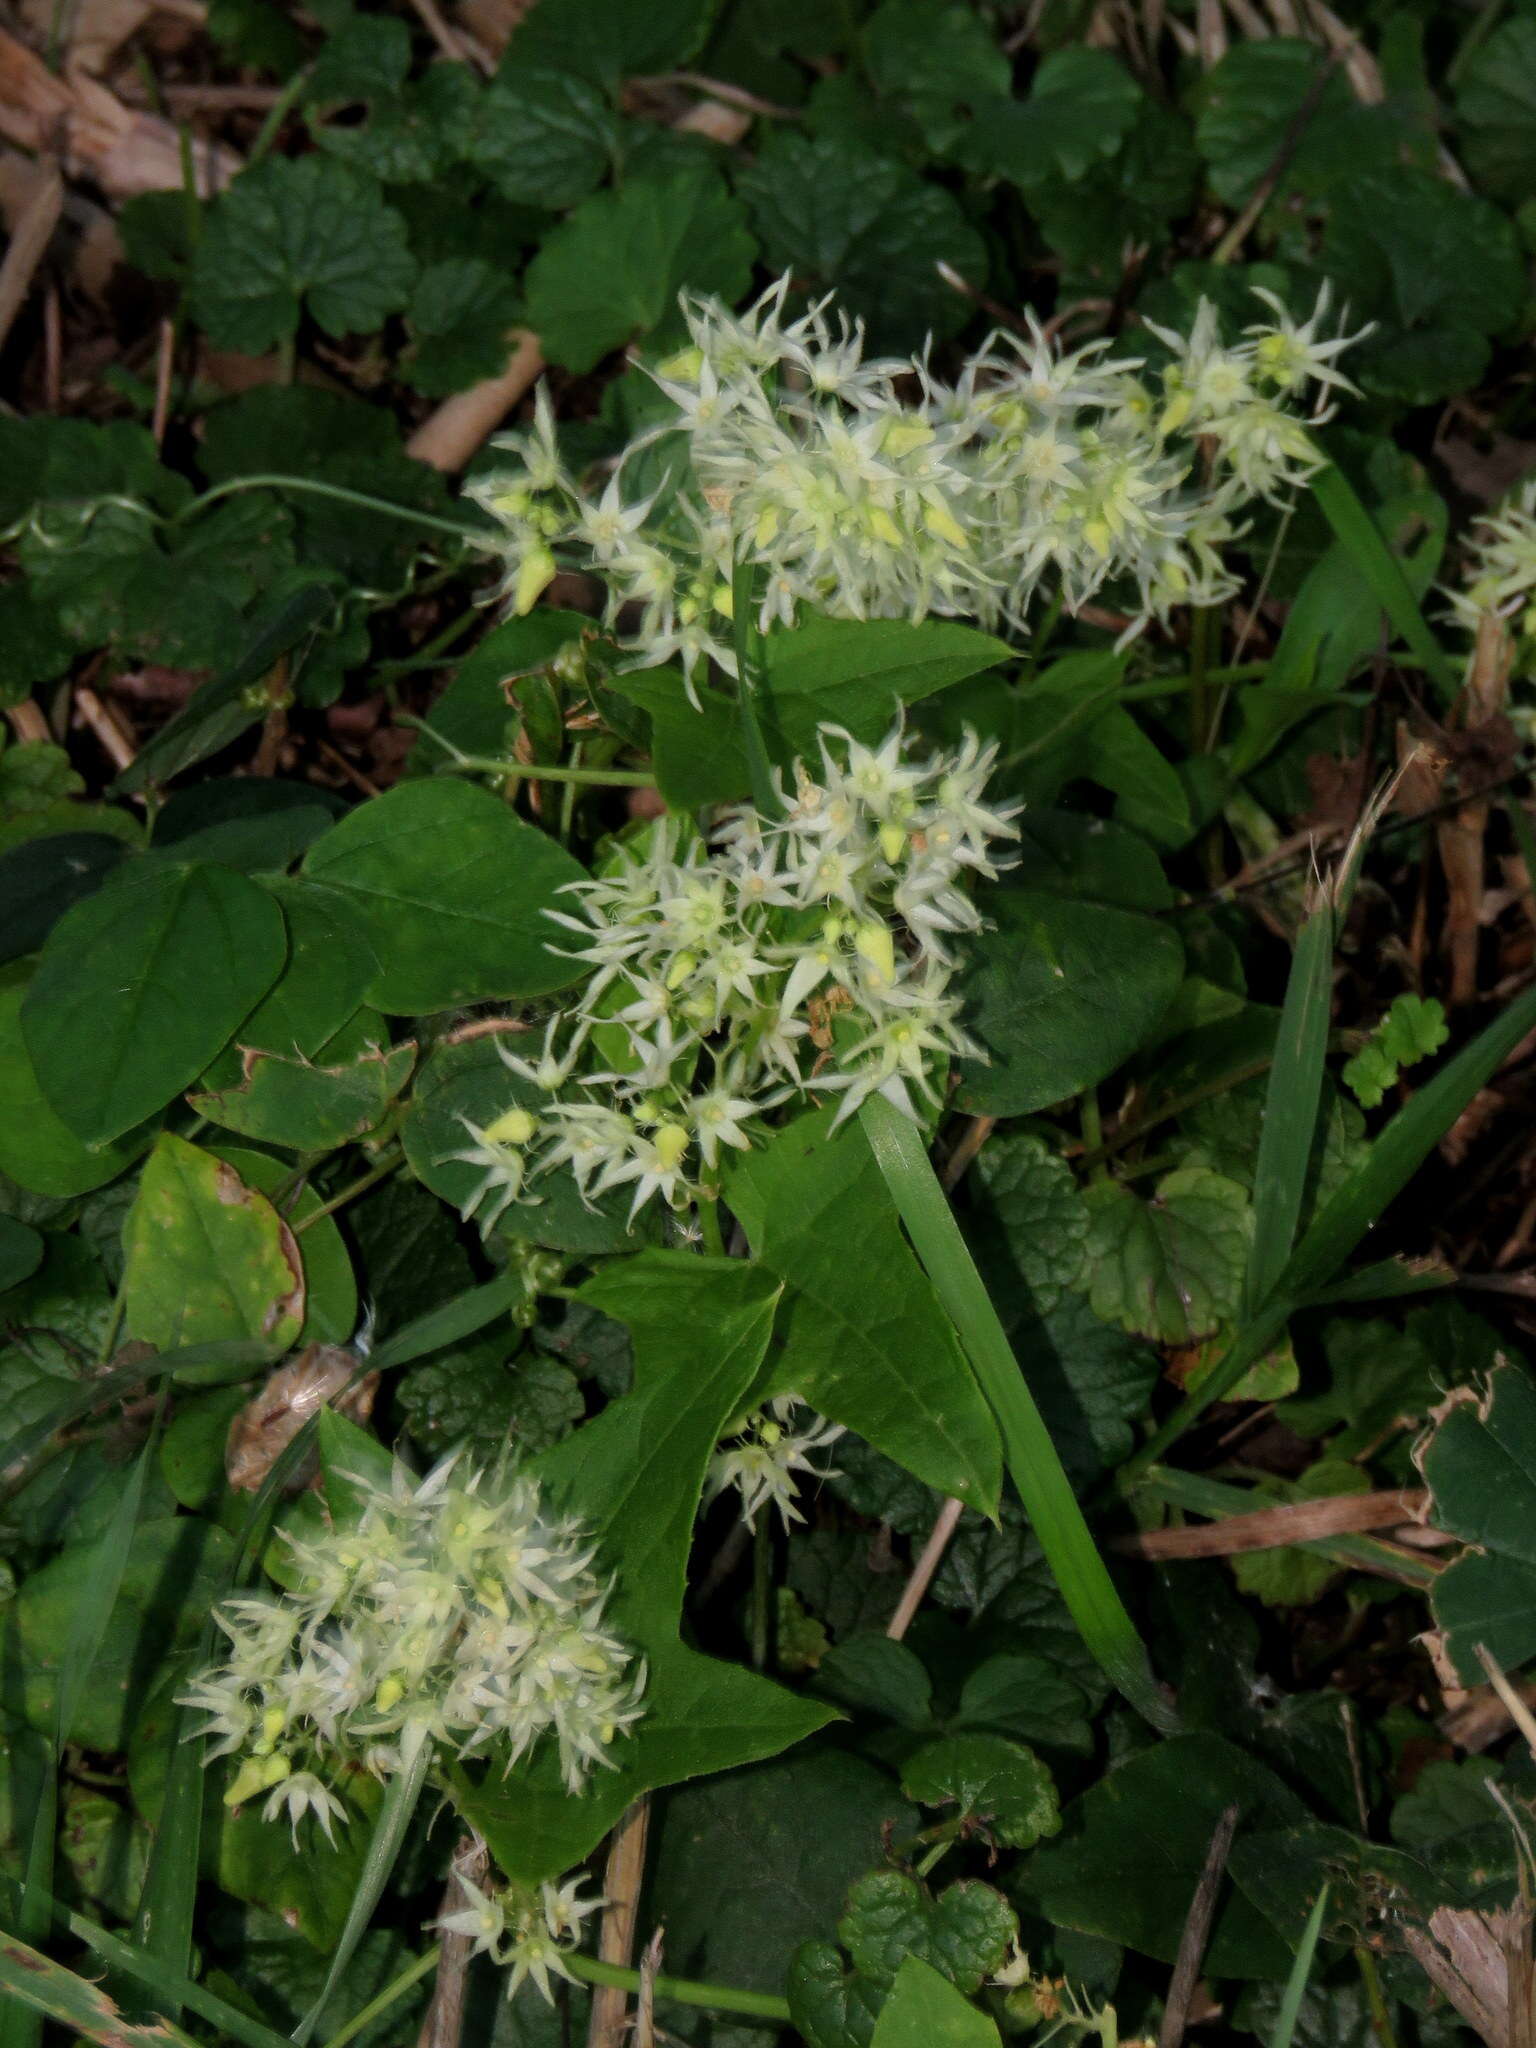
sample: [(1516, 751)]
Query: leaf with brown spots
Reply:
[(208, 1258)]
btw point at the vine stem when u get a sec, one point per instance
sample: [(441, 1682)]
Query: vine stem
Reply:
[(760, 2005), (537, 771), (350, 1193), (413, 516)]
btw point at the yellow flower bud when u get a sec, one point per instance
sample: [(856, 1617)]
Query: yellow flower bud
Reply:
[(680, 970), (938, 518), (247, 1783), (893, 841), (534, 575), (884, 527), (671, 1142), (273, 1772), (389, 1695), (873, 942), (512, 1127)]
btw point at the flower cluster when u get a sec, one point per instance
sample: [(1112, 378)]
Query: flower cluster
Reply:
[(804, 953), (527, 1932), (454, 1611), (871, 488), (1500, 576), (764, 1456)]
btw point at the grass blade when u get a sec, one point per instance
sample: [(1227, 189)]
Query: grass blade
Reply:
[(1291, 1106), (1344, 1220), (1301, 1971), (1381, 569), (169, 1990), (400, 1797), (1036, 1470), (37, 1989), (21, 2025), (449, 1324)]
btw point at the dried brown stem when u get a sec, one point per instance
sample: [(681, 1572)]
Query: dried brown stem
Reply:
[(444, 2019), (931, 1557), (621, 1889), (1302, 1521), (1197, 1931)]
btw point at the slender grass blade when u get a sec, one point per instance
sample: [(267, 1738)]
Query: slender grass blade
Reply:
[(1036, 1470)]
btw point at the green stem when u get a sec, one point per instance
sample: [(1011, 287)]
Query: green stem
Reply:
[(1043, 1486), (277, 114), (1202, 696), (339, 494), (536, 771), (709, 1225), (1375, 1998), (360, 1186), (682, 1990), (762, 1586), (751, 687), (393, 1991)]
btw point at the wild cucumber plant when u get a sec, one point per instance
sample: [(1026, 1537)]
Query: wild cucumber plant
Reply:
[(867, 772)]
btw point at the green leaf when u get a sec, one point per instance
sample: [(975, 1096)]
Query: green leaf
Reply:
[(461, 313), (840, 217), (451, 890), (170, 1576), (340, 441), (874, 1675), (330, 1288), (367, 54), (544, 138), (1440, 269), (615, 267), (319, 991), (925, 2010), (1001, 1788), (412, 136), (476, 1396), (609, 40), (208, 1258), (964, 1933), (864, 1339), (1478, 1465), (1032, 1223), (1496, 111), (42, 878), (1248, 102), (936, 61), (295, 234), (791, 1881), (1082, 104), (634, 1476), (21, 1252), (1132, 1848), (1060, 993), (140, 986), (1171, 1265), (306, 1107), (1412, 1030), (857, 673)]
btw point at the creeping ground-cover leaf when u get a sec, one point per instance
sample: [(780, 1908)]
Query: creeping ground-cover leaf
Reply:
[(1479, 1463), (289, 236), (613, 271), (925, 2010), (452, 890), (141, 985)]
